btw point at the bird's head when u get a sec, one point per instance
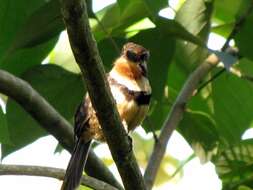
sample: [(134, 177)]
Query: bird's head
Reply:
[(137, 54)]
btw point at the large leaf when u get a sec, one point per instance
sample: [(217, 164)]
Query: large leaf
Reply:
[(63, 89), (245, 67), (244, 38), (42, 25), (226, 11), (153, 7), (200, 131), (109, 52), (12, 17), (232, 105), (175, 29), (222, 111), (4, 133), (234, 165), (195, 17), (113, 20), (229, 104), (223, 29)]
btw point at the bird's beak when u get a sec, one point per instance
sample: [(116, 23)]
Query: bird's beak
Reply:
[(143, 66)]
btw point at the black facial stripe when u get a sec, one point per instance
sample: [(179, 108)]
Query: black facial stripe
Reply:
[(132, 56), (140, 97)]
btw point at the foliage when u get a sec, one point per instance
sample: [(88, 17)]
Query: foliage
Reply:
[(215, 119)]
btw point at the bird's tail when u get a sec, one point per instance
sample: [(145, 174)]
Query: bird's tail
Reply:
[(76, 165)]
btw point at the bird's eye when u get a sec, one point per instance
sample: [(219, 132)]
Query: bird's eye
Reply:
[(132, 56), (144, 56)]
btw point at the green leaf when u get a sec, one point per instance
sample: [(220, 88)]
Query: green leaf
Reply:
[(244, 38), (225, 106), (4, 133), (62, 89), (12, 17), (195, 16), (42, 25), (152, 7), (162, 102), (227, 11), (58, 148), (232, 106), (175, 29), (109, 52), (10, 26), (84, 188), (234, 165), (115, 18), (223, 29), (200, 130), (155, 6), (245, 67), (244, 187)]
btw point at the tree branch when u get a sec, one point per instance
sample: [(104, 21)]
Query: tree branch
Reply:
[(178, 107), (51, 172), (175, 116), (238, 24), (85, 51), (50, 120)]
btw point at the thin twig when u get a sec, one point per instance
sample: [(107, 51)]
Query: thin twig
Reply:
[(152, 129), (85, 51), (182, 165), (57, 173), (238, 24), (216, 75), (49, 119)]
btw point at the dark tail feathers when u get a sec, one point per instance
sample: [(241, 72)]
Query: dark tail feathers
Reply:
[(76, 165)]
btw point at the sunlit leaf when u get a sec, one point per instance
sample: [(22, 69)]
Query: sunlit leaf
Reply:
[(195, 17)]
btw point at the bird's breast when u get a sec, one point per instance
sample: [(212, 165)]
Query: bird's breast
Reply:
[(132, 104)]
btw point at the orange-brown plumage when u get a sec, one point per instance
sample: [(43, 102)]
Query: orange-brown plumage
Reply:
[(131, 90), (128, 69)]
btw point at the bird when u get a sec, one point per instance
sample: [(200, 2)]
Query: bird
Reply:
[(130, 87)]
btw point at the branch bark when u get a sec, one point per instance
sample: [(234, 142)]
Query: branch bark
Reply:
[(85, 51), (51, 172), (51, 121), (178, 108), (175, 116)]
